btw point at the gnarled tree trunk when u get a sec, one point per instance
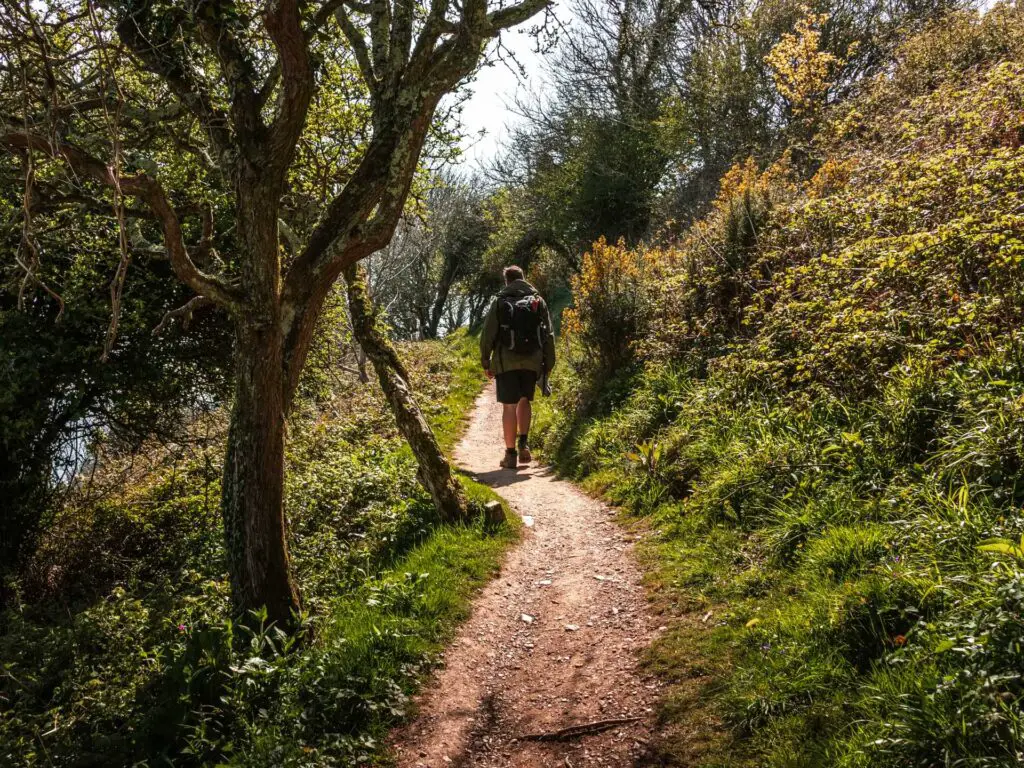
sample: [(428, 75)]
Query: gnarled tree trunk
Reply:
[(252, 497), (252, 501), (434, 471)]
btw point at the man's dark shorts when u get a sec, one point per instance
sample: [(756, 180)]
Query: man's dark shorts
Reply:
[(515, 385)]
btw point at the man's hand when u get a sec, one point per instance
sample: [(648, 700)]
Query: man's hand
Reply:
[(489, 372)]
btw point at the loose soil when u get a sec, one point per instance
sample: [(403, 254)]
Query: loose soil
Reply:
[(553, 642)]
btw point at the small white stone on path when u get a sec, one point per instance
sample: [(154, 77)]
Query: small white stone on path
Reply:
[(527, 618)]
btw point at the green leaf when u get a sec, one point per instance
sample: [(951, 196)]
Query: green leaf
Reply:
[(1003, 547)]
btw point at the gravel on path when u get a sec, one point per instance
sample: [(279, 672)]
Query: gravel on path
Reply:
[(553, 641)]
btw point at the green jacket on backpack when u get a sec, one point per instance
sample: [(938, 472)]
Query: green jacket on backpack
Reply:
[(494, 357)]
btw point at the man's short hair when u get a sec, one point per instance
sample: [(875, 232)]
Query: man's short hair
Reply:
[(513, 273)]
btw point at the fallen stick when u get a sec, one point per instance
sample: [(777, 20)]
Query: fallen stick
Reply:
[(578, 730)]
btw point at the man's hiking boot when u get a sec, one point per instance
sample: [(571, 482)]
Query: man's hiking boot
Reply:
[(509, 461), (522, 442)]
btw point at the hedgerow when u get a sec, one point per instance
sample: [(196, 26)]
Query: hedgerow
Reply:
[(821, 425)]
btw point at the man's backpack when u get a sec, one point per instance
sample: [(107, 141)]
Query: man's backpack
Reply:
[(523, 322)]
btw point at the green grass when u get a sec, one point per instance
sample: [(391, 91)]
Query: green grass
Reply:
[(852, 618), (467, 378), (120, 650)]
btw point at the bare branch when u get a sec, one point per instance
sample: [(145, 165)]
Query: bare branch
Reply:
[(183, 313), (27, 244), (360, 51), (284, 27), (401, 38), (435, 25), (322, 16), (515, 14), (203, 252), (216, 30), (160, 57), (380, 34)]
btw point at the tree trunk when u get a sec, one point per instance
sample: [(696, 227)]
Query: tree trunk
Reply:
[(252, 500), (443, 289), (252, 497), (364, 377), (434, 473)]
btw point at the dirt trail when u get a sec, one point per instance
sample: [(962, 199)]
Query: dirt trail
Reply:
[(553, 641)]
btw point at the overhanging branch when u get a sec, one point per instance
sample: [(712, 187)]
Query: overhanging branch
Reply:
[(149, 191)]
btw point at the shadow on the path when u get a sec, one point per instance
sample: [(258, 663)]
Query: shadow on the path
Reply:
[(500, 478)]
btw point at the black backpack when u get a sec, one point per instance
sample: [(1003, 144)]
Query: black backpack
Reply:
[(523, 322)]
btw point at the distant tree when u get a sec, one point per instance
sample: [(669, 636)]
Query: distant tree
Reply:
[(242, 81), (426, 276), (588, 159)]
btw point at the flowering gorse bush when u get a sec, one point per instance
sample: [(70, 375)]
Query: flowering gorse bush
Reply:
[(611, 309)]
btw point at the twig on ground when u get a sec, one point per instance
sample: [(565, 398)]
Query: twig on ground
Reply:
[(582, 729)]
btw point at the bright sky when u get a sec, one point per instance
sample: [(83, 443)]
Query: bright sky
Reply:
[(491, 107)]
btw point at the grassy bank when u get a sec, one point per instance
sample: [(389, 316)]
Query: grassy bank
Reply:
[(119, 650), (836, 604), (814, 404)]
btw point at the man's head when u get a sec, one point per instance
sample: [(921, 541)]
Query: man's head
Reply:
[(512, 274)]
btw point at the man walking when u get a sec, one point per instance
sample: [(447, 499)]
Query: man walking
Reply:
[(517, 347)]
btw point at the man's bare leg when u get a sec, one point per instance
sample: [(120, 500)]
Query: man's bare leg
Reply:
[(524, 413), (508, 425)]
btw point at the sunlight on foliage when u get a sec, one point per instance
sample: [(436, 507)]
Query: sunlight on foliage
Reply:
[(820, 424), (802, 70)]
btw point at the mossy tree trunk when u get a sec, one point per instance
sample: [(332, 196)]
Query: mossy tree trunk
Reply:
[(435, 473), (252, 500)]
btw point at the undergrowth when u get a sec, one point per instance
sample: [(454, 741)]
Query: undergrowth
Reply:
[(119, 649), (820, 424)]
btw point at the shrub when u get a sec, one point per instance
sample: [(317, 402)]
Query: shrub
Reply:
[(610, 309), (823, 427), (702, 296)]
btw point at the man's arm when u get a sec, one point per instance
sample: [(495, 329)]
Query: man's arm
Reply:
[(488, 336), (549, 343)]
